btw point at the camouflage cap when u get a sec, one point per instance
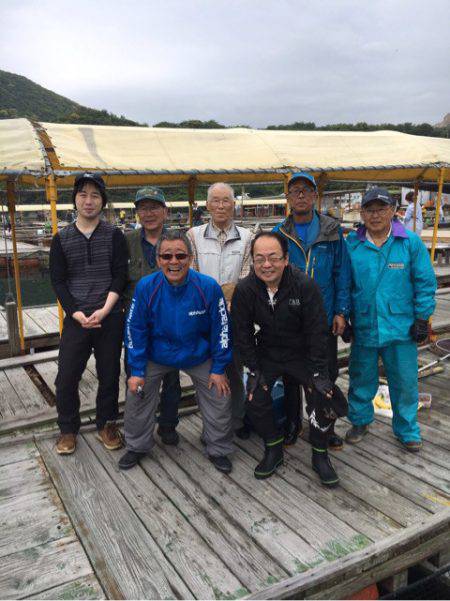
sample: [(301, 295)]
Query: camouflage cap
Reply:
[(150, 193)]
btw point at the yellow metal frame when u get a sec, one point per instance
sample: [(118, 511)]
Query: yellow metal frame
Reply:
[(11, 197), (51, 193)]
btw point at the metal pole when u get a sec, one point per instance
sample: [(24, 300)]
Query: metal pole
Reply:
[(11, 196), (191, 197), (416, 193), (436, 217), (52, 197), (286, 188)]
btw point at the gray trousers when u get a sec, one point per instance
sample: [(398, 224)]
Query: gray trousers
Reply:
[(140, 412), (234, 375)]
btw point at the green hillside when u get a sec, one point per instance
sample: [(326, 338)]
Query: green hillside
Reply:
[(21, 97)]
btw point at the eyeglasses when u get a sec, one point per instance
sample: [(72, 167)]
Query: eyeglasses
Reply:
[(260, 260), (170, 256), (373, 212), (300, 191), (225, 203)]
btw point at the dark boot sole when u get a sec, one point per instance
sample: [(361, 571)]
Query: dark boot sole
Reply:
[(332, 484), (128, 466), (264, 475)]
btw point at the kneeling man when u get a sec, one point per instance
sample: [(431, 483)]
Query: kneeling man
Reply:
[(291, 341), (178, 320)]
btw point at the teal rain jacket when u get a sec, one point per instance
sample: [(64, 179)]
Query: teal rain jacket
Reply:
[(323, 256), (392, 286)]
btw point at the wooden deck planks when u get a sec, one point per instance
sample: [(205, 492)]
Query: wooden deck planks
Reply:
[(123, 553), (198, 565), (86, 587)]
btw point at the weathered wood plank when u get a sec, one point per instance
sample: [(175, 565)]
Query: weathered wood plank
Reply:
[(9, 401), (351, 502), (29, 359), (204, 573), (31, 397), (44, 319), (13, 453), (428, 432), (124, 555), (231, 543), (28, 572), (338, 580), (30, 327), (31, 520), (282, 544), (22, 478), (86, 587), (319, 527)]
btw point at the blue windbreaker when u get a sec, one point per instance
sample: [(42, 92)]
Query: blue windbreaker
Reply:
[(392, 286), (181, 326), (323, 256)]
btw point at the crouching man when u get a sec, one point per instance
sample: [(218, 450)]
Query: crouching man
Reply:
[(178, 320), (287, 307)]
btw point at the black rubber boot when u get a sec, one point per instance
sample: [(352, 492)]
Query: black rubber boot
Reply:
[(273, 457), (321, 464)]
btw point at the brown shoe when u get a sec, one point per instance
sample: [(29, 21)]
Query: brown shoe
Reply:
[(110, 436), (412, 446), (66, 444)]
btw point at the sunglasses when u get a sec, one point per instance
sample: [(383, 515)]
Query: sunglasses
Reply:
[(169, 256)]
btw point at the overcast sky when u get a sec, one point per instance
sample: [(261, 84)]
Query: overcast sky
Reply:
[(254, 62)]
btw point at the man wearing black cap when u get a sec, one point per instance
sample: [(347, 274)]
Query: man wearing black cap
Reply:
[(88, 270), (392, 299), (151, 208)]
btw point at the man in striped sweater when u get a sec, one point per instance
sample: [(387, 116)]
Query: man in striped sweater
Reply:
[(88, 270)]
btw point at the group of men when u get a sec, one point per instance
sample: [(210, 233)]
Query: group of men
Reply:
[(224, 305)]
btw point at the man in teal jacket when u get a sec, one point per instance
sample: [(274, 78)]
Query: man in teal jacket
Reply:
[(393, 287), (317, 247)]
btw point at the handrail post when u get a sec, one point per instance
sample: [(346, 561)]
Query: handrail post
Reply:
[(51, 193), (11, 197)]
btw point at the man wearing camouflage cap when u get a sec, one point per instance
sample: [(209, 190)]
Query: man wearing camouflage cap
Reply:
[(152, 212)]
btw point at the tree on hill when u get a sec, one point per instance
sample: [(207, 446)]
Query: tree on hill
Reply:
[(21, 97)]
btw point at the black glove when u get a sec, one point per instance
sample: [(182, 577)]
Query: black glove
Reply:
[(419, 330), (322, 384), (254, 379), (347, 334)]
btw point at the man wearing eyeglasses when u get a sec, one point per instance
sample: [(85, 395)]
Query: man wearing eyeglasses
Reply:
[(222, 250), (178, 320), (291, 340), (392, 299), (316, 247), (151, 208)]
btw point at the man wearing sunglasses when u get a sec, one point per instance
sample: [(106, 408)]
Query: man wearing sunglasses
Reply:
[(178, 320), (151, 208), (222, 251), (392, 299), (317, 247)]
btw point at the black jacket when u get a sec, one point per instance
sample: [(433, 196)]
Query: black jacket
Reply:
[(295, 330)]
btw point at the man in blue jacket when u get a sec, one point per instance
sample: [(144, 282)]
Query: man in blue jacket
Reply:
[(317, 247), (178, 320), (392, 299)]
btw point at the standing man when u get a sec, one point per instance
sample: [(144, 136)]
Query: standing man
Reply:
[(222, 251), (287, 307), (392, 299), (152, 212), (317, 247), (409, 214), (88, 270), (178, 320)]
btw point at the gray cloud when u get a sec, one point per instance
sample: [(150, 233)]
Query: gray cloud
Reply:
[(240, 62)]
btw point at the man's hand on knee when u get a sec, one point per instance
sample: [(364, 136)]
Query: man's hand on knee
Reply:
[(220, 381), (135, 384)]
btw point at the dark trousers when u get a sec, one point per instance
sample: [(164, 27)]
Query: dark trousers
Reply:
[(170, 396), (293, 405), (260, 408), (75, 349)]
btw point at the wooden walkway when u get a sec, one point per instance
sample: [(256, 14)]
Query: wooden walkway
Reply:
[(77, 527)]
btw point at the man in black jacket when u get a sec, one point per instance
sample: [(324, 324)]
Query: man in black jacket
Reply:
[(88, 270), (287, 307)]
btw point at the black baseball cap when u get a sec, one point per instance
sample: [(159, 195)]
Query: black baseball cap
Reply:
[(380, 194), (93, 178)]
